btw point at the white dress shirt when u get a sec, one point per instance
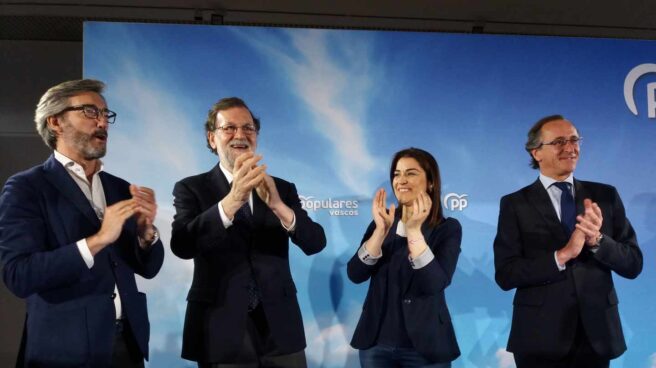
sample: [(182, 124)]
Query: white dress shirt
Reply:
[(95, 193)]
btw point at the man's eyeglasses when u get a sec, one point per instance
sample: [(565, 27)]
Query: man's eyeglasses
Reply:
[(248, 129), (93, 112), (562, 142)]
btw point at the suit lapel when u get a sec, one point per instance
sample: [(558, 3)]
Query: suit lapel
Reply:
[(538, 197), (219, 187), (112, 194), (57, 175), (580, 193), (217, 184)]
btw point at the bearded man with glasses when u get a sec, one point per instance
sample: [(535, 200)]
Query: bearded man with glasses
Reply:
[(235, 222), (558, 242), (72, 238)]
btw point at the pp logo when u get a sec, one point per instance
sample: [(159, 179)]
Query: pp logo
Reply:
[(630, 82), (455, 201)]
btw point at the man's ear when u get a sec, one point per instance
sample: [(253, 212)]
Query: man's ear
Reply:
[(536, 154), (210, 139), (54, 123)]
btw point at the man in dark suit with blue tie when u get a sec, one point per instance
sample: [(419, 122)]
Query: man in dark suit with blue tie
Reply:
[(558, 242), (235, 222), (72, 237)]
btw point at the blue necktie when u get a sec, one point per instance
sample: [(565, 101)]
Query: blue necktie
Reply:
[(567, 207), (244, 213)]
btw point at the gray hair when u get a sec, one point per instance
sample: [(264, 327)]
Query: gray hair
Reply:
[(222, 105), (55, 100)]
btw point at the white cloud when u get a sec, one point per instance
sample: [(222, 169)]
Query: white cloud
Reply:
[(167, 292), (331, 74), (175, 271), (505, 359), (157, 139), (151, 145), (652, 361), (328, 346)]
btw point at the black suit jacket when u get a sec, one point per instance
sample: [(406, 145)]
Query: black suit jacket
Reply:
[(70, 309), (425, 312), (223, 259), (548, 303)]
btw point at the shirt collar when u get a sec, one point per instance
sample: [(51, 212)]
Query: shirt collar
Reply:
[(226, 172), (74, 166), (400, 229), (547, 181)]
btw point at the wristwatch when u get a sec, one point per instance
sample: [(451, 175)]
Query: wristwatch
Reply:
[(599, 239), (154, 238)]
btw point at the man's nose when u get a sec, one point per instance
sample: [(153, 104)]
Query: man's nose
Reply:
[(239, 133), (570, 146), (102, 121)]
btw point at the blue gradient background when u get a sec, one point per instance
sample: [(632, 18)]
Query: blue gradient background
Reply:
[(335, 105)]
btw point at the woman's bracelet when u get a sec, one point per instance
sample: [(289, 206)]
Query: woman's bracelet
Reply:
[(415, 241)]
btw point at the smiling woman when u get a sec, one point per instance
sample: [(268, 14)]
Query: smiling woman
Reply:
[(409, 255)]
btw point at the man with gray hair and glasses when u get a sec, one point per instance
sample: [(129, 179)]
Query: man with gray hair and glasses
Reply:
[(558, 242), (235, 221), (72, 238)]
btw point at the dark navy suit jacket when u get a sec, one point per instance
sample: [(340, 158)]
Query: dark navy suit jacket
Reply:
[(70, 309), (215, 322), (425, 312), (548, 303)]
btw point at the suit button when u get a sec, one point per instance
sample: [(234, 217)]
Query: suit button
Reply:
[(114, 264), (113, 296), (407, 301)]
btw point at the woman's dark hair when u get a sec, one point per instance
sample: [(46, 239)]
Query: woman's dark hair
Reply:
[(433, 180)]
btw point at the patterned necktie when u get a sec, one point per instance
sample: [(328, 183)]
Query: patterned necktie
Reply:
[(567, 207), (244, 213)]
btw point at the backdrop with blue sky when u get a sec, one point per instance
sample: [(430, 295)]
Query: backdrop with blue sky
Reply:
[(335, 105)]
